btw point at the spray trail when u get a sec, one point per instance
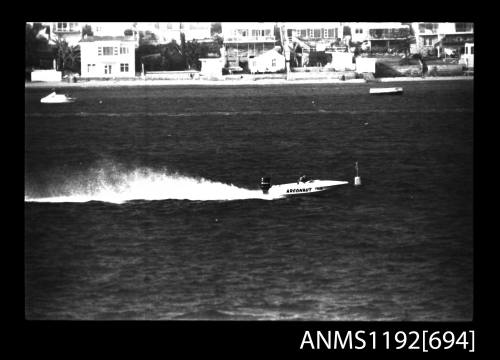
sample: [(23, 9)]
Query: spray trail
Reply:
[(145, 184)]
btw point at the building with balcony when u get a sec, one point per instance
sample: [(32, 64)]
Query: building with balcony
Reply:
[(110, 28), (381, 35), (315, 32), (306, 37), (314, 36), (199, 31), (165, 32), (107, 57), (114, 29), (442, 38), (245, 40), (71, 32), (154, 33)]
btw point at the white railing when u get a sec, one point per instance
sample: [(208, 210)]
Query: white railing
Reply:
[(249, 39)]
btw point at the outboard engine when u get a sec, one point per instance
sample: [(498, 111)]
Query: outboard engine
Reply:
[(265, 184)]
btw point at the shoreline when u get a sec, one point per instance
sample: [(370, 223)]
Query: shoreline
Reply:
[(227, 82)]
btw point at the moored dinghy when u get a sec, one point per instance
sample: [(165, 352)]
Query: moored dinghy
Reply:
[(54, 98), (387, 91)]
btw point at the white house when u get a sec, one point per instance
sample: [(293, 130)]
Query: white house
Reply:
[(365, 64), (211, 67), (270, 61), (196, 30), (110, 28), (107, 56), (467, 57), (341, 61)]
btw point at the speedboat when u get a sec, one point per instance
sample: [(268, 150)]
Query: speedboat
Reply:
[(54, 98), (300, 187), (387, 91)]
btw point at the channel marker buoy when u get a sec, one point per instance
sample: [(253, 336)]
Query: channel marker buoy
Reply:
[(357, 179)]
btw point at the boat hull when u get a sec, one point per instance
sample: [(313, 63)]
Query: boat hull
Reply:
[(54, 98), (50, 101), (309, 187), (386, 91)]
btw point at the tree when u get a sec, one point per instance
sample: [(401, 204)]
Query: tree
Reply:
[(87, 30), (68, 57), (277, 33), (195, 50), (183, 49), (142, 51), (215, 28), (36, 47), (317, 58), (219, 40), (172, 52)]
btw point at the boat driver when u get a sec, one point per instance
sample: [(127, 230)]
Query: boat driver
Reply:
[(303, 179)]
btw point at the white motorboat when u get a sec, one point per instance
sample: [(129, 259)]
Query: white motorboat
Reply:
[(301, 187), (54, 98), (387, 91)]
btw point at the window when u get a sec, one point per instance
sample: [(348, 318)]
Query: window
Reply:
[(107, 69), (115, 50), (431, 27), (61, 26), (123, 50), (472, 50), (311, 32), (108, 50), (99, 51), (428, 40), (464, 27), (359, 31), (65, 26), (303, 33), (123, 67), (90, 68), (273, 63), (332, 33), (317, 33)]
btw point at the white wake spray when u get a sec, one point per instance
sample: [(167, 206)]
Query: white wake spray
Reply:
[(145, 184)]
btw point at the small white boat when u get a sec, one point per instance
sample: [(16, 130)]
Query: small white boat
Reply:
[(54, 98), (301, 187), (387, 91)]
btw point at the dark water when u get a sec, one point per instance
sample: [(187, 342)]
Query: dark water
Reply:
[(163, 241)]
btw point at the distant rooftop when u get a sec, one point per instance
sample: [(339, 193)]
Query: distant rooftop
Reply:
[(106, 38)]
